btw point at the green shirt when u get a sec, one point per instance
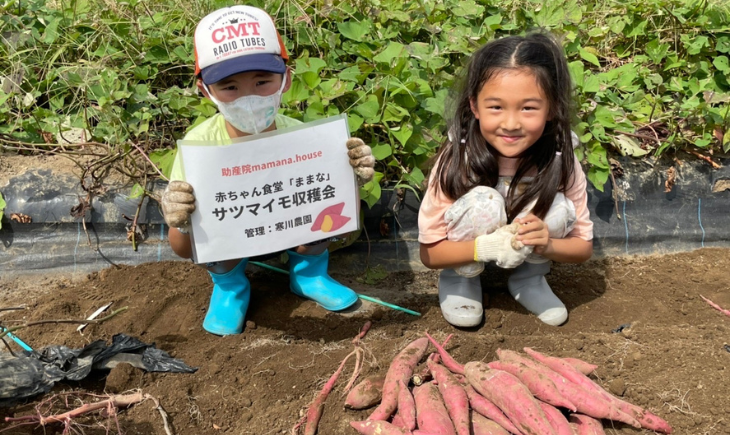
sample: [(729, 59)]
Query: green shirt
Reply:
[(213, 131)]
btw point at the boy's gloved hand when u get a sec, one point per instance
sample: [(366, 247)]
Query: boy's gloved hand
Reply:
[(178, 202), (361, 159), (501, 247)]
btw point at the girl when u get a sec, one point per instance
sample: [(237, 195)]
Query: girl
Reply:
[(508, 158)]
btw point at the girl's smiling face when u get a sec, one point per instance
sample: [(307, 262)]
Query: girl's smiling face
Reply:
[(512, 111)]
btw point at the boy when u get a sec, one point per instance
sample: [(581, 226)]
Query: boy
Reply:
[(240, 65)]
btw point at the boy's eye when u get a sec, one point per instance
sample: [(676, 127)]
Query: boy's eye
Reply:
[(262, 82)]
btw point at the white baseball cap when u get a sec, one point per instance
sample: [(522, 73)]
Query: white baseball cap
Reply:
[(237, 39)]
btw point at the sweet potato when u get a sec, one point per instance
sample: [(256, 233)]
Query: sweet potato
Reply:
[(406, 406), (397, 421), (483, 426), (423, 373), (377, 427), (489, 410), (446, 359), (587, 425), (586, 402), (538, 384), (580, 365), (367, 393), (645, 418), (455, 399), (431, 412), (557, 419), (511, 396), (401, 368)]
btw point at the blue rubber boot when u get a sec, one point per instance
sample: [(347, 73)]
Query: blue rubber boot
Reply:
[(229, 301), (309, 279)]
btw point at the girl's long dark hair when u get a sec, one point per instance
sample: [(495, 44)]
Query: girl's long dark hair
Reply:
[(467, 160)]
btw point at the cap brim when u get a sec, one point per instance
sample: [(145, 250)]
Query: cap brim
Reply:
[(251, 62)]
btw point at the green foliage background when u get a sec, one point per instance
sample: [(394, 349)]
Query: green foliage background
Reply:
[(652, 76)]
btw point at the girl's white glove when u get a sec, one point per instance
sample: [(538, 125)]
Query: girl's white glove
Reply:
[(501, 247), (178, 202), (361, 159)]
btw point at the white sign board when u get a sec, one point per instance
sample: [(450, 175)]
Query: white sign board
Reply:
[(270, 192)]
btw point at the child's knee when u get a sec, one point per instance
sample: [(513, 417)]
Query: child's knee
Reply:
[(480, 211), (560, 219)]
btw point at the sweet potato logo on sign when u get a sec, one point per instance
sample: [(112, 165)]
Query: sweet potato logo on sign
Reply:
[(330, 219)]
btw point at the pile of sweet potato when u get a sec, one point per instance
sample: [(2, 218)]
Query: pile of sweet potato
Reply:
[(521, 394)]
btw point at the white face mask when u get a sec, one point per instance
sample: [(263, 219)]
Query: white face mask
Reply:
[(251, 114)]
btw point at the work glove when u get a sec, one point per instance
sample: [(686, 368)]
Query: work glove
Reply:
[(178, 202), (501, 247), (361, 159)]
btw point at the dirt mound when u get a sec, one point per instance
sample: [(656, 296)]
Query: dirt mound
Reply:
[(673, 359)]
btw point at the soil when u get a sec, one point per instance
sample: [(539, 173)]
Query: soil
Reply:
[(672, 360)]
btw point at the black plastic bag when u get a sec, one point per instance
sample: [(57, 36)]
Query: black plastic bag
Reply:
[(36, 372)]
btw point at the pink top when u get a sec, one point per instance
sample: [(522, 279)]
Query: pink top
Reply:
[(432, 226)]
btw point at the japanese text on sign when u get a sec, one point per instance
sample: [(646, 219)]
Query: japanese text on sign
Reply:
[(251, 201)]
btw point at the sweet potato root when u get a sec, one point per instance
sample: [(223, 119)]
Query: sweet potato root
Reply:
[(446, 359), (406, 406), (645, 418), (483, 406), (587, 425), (400, 369), (586, 402), (455, 399), (483, 426), (431, 412), (557, 419), (538, 384), (377, 427), (580, 365), (511, 396), (367, 393)]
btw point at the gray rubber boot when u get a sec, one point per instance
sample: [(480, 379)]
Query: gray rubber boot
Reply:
[(528, 286), (460, 299)]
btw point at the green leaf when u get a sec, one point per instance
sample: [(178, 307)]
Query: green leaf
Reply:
[(465, 8), (598, 177), (392, 51), (351, 74), (628, 146), (394, 113), (137, 191), (354, 30), (592, 83), (589, 57), (404, 132), (493, 21), (354, 122), (605, 117), (436, 104), (721, 63), (416, 176), (51, 33), (370, 108), (370, 192), (382, 151), (576, 72), (723, 44), (163, 159), (597, 155)]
